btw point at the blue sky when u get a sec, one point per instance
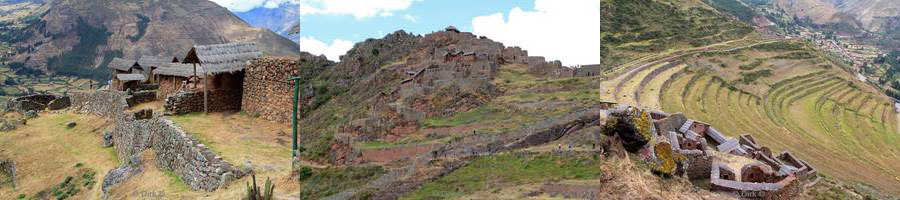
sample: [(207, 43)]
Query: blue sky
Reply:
[(566, 30)]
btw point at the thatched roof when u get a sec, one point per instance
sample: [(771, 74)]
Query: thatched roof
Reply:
[(187, 70), (121, 64), (153, 61), (215, 59), (222, 54), (131, 77), (177, 69)]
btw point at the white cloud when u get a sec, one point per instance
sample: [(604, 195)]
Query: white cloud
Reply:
[(240, 5), (360, 9), (411, 18), (568, 31), (333, 52)]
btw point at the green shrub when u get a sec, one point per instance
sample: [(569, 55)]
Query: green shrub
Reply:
[(304, 173), (750, 77), (751, 66), (326, 182)]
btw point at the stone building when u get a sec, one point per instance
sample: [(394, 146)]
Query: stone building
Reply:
[(267, 91), (172, 77), (119, 66), (129, 81), (150, 63), (215, 73), (589, 70)]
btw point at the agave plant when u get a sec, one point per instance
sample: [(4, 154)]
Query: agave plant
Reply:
[(253, 192)]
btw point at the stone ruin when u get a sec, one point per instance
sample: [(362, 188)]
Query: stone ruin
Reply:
[(29, 106), (174, 149), (689, 141), (38, 103)]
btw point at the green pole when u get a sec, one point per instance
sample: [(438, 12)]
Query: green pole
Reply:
[(294, 116)]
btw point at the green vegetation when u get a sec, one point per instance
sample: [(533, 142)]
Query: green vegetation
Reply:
[(330, 181), (834, 192), (823, 112), (79, 61), (800, 55), (479, 114), (318, 149), (14, 32), (142, 23), (733, 7), (175, 182), (781, 46), (254, 193), (751, 77), (751, 66), (646, 26), (509, 169), (71, 186)]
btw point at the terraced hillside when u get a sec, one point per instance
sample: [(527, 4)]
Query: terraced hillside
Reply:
[(784, 93), (634, 29)]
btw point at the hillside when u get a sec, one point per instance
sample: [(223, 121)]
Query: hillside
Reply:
[(869, 15), (74, 37), (784, 92), (452, 115)]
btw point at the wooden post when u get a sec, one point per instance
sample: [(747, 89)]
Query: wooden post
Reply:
[(205, 90)]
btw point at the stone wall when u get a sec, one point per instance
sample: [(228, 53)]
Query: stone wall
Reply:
[(218, 100), (267, 91), (177, 151), (197, 166), (169, 85), (141, 97), (105, 103), (31, 103)]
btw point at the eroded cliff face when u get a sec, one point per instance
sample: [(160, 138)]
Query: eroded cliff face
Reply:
[(97, 29)]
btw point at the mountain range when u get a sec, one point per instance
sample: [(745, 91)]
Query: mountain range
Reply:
[(79, 37)]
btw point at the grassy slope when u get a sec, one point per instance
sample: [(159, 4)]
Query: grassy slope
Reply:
[(46, 152)]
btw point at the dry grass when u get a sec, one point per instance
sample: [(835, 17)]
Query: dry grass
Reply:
[(238, 138), (156, 106), (46, 152)]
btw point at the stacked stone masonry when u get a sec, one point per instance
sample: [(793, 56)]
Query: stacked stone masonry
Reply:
[(770, 178), (218, 101), (175, 150), (37, 103), (267, 90)]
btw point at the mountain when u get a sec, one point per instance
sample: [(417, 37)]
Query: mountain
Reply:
[(278, 19), (870, 15), (78, 37)]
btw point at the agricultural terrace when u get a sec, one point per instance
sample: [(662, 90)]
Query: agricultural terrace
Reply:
[(785, 94)]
